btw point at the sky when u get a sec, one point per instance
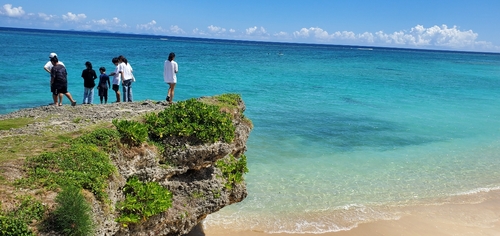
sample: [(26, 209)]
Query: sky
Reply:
[(462, 25)]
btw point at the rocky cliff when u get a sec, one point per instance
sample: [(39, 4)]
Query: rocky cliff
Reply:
[(185, 167)]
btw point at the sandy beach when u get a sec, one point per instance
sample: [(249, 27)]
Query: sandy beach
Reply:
[(482, 218)]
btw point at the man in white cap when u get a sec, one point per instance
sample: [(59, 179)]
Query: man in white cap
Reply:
[(48, 66)]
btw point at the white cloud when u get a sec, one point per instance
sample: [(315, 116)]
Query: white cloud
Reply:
[(151, 26), (418, 36), (302, 33), (437, 36), (216, 29), (46, 17), (316, 32), (367, 37), (281, 34), (197, 31), (256, 31), (100, 22), (232, 30), (176, 29), (74, 17), (345, 35), (12, 11), (104, 24)]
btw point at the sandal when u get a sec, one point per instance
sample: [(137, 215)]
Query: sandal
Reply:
[(73, 104)]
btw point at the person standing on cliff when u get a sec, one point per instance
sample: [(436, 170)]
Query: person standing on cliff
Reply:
[(103, 86), (127, 78), (89, 77), (117, 75), (170, 70), (48, 66), (59, 81)]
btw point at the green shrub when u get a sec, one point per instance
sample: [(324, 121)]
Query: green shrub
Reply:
[(232, 169), (16, 221), (229, 99), (191, 118), (73, 214), (11, 226), (82, 165), (106, 139), (142, 200), (28, 210), (131, 132)]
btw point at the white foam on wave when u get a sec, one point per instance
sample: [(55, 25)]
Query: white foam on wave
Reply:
[(321, 221), (477, 191)]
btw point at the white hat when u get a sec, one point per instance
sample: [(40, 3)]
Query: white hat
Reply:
[(53, 54)]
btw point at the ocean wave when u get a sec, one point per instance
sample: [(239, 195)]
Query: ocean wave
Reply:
[(477, 191), (322, 221)]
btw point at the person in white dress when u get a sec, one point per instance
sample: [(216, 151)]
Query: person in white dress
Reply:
[(170, 70)]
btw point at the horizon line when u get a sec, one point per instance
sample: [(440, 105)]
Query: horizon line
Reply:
[(251, 41)]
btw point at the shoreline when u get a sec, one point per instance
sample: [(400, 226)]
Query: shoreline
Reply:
[(459, 217)]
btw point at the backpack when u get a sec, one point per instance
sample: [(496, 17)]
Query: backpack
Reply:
[(60, 73)]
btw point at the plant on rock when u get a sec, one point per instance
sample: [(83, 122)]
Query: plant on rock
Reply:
[(191, 118), (10, 226), (16, 221), (131, 132), (142, 200), (82, 165), (73, 215), (232, 169), (104, 138)]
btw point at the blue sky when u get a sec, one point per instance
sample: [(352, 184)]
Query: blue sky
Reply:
[(469, 25)]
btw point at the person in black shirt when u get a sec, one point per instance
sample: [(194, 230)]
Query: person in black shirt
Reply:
[(88, 76), (103, 86), (59, 81)]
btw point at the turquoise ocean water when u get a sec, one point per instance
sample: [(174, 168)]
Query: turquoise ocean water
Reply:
[(342, 134)]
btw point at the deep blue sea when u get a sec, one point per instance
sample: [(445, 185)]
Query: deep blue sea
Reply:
[(342, 135)]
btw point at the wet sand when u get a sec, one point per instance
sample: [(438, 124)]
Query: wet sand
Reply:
[(482, 218)]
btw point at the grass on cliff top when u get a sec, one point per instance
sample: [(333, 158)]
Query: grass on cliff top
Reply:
[(15, 123), (226, 102), (22, 146), (203, 122)]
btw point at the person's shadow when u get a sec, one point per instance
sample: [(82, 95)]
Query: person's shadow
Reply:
[(197, 231)]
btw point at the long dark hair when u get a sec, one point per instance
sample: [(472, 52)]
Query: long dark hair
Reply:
[(171, 56), (88, 65), (123, 59)]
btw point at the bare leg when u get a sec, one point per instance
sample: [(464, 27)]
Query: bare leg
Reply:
[(54, 98), (118, 96), (60, 99), (68, 95), (171, 92)]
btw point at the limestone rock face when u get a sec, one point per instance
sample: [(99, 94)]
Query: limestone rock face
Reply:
[(198, 189), (189, 173)]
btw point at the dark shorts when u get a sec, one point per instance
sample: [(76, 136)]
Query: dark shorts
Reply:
[(60, 90), (116, 87), (103, 92)]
